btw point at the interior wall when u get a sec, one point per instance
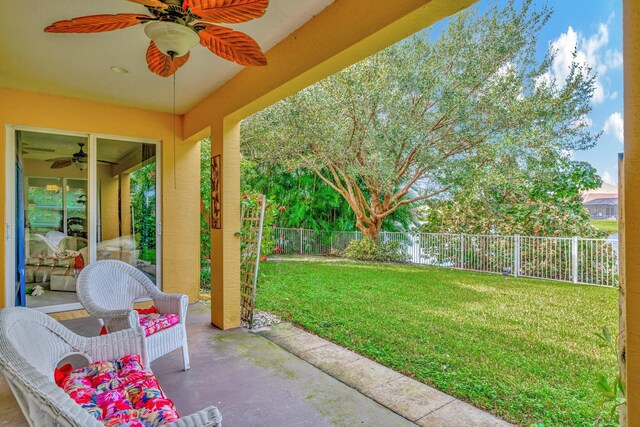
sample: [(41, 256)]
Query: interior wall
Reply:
[(180, 237), (125, 204), (33, 167)]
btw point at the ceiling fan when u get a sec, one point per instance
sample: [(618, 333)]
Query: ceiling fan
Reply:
[(28, 149), (80, 159), (176, 26)]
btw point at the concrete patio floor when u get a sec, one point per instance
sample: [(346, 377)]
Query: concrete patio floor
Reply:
[(251, 380), (415, 401), (284, 376)]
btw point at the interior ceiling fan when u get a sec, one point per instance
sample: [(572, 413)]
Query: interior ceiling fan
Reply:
[(28, 149), (176, 26), (79, 158)]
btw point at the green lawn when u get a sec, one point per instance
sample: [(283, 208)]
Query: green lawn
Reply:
[(523, 349), (610, 226), (148, 255)]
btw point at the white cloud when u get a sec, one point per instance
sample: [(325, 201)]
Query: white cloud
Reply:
[(613, 95), (615, 126), (606, 178), (614, 58), (588, 52)]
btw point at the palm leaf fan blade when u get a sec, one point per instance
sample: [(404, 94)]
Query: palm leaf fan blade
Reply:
[(96, 23), (232, 45), (227, 11), (61, 163), (151, 3), (161, 64)]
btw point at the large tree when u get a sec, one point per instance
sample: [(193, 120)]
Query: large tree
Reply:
[(428, 114), (309, 201)]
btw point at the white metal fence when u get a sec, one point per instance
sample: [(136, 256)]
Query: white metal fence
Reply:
[(577, 260)]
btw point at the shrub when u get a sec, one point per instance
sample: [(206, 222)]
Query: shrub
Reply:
[(272, 214), (393, 252), (367, 250), (205, 276), (334, 253)]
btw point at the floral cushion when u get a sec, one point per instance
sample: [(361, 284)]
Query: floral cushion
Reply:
[(155, 322), (119, 393), (152, 321)]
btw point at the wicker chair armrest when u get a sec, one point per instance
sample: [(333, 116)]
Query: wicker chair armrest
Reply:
[(208, 417), (172, 303), (106, 314), (118, 320), (118, 344)]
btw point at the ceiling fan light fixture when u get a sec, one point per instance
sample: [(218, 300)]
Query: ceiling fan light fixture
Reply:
[(119, 70), (82, 165), (172, 39)]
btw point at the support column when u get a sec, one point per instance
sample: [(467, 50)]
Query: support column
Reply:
[(631, 217), (622, 299), (225, 244)]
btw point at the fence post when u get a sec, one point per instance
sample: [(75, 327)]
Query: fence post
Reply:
[(300, 232), (516, 255), (462, 251), (574, 259)]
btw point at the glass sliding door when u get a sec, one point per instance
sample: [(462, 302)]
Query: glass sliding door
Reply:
[(79, 198), (75, 208), (127, 200), (54, 226)]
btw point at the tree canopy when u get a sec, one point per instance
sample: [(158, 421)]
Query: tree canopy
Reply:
[(430, 114), (533, 200)]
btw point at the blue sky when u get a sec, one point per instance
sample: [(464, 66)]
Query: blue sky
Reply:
[(595, 27)]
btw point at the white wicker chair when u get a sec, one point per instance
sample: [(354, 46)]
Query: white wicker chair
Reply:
[(107, 289), (31, 346)]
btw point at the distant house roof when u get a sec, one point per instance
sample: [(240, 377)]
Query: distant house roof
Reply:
[(605, 191), (602, 201)]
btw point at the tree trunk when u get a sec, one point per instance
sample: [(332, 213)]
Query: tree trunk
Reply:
[(370, 230)]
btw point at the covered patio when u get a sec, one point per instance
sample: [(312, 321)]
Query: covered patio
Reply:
[(255, 382), (61, 84)]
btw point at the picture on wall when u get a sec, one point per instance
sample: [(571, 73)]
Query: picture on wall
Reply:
[(216, 220)]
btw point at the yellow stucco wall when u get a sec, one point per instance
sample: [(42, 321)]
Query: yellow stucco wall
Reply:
[(180, 252), (631, 188), (125, 204), (110, 226)]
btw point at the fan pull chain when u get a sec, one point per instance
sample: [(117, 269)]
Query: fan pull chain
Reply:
[(175, 160)]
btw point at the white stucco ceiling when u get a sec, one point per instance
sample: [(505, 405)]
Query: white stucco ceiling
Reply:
[(79, 65)]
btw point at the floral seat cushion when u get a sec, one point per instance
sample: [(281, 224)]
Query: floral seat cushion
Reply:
[(156, 322), (118, 393), (152, 321)]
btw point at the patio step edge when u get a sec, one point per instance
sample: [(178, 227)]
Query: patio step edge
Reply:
[(411, 399)]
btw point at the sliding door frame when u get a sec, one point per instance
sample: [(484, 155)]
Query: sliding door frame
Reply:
[(92, 187)]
